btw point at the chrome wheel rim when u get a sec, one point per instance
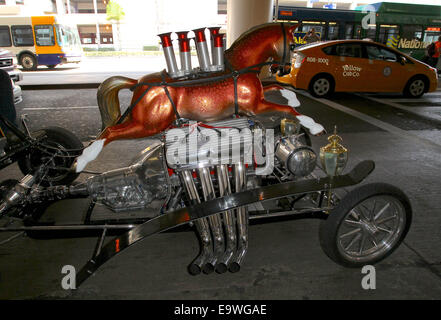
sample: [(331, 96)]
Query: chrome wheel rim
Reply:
[(416, 87), (371, 229), (321, 86), (27, 62)]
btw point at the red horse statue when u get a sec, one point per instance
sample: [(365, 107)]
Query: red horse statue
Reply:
[(211, 100)]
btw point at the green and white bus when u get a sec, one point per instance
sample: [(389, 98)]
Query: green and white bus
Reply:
[(408, 27)]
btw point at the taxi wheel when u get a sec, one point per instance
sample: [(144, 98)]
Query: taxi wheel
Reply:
[(321, 86), (415, 88)]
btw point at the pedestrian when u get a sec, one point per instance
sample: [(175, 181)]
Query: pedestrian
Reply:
[(311, 36), (7, 107), (434, 56)]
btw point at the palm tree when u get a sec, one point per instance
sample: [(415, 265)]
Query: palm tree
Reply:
[(115, 13)]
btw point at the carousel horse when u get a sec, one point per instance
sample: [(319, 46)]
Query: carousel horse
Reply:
[(159, 100)]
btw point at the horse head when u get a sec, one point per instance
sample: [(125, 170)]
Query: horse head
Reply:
[(260, 43)]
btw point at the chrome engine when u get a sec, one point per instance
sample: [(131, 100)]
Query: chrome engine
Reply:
[(195, 163)]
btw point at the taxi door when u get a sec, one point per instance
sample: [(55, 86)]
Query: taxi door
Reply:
[(386, 73), (350, 68)]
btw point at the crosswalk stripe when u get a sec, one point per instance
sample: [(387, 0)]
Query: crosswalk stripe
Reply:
[(415, 110), (58, 108), (378, 123)]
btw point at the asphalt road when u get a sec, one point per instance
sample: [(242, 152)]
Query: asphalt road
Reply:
[(284, 259)]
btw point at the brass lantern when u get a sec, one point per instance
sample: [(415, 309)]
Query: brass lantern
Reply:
[(333, 156), (289, 127)]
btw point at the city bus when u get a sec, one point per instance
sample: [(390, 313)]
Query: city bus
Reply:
[(409, 28), (40, 40)]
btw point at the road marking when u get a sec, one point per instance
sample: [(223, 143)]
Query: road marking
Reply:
[(378, 123), (415, 110), (59, 108)]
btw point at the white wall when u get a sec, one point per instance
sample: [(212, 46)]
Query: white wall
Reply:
[(145, 19)]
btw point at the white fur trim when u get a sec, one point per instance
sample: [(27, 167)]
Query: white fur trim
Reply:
[(89, 154), (291, 97), (309, 123)]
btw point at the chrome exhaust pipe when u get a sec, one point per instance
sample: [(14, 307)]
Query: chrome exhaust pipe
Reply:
[(218, 52), (213, 31), (169, 54), (242, 219), (229, 221), (214, 220), (184, 52), (202, 49), (202, 226)]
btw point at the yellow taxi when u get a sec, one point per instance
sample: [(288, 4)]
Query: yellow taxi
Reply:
[(358, 66)]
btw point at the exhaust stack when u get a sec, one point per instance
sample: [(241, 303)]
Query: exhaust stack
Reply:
[(184, 52), (218, 52), (213, 31), (169, 54), (202, 49)]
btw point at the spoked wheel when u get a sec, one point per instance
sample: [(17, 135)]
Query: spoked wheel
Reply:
[(367, 225), (57, 151)]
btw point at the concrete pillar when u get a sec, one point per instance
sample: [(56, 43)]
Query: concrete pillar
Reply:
[(98, 36), (244, 14)]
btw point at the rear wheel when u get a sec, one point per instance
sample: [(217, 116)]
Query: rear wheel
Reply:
[(366, 226), (58, 151), (28, 62), (321, 86), (415, 88)]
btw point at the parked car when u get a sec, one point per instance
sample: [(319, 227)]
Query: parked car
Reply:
[(358, 66), (7, 63)]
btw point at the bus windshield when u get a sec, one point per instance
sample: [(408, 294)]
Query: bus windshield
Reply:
[(67, 37)]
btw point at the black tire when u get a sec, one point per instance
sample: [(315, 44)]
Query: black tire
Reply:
[(331, 240), (322, 86), (28, 62), (415, 87), (58, 140)]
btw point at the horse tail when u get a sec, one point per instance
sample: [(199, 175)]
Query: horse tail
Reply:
[(108, 101)]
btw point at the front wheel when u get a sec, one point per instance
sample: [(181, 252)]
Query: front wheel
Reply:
[(367, 225), (415, 88), (28, 62), (57, 150)]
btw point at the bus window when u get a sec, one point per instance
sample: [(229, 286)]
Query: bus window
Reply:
[(44, 35), (353, 31), (349, 29), (388, 34), (431, 34), (332, 31), (357, 31), (411, 32), (318, 26), (22, 36), (370, 33), (5, 37)]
